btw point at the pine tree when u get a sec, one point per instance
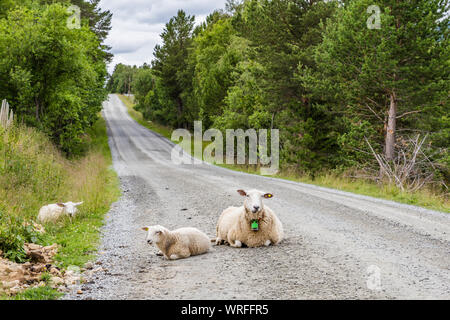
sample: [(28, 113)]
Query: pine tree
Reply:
[(391, 76), (171, 63)]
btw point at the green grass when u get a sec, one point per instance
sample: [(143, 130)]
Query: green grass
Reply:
[(138, 117), (424, 198), (97, 185), (34, 173), (39, 293)]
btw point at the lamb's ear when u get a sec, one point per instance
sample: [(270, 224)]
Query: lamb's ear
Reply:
[(242, 193), (145, 228), (62, 205), (78, 204), (268, 195)]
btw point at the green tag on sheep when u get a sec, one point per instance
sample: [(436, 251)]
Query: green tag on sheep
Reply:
[(255, 225)]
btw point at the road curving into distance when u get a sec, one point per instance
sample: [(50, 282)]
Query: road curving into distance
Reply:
[(338, 245)]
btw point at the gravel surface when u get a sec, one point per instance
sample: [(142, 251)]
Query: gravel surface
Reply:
[(338, 245)]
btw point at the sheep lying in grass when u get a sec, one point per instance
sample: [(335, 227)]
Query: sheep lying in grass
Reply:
[(253, 224), (178, 244), (53, 212)]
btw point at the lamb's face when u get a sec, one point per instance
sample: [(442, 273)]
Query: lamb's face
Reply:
[(70, 208), (154, 234), (253, 202)]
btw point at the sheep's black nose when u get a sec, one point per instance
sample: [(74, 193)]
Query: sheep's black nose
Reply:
[(149, 241), (256, 208)]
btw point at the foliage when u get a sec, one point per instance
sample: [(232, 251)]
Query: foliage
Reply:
[(170, 64), (122, 79), (51, 75), (315, 71), (360, 72), (213, 65), (11, 239)]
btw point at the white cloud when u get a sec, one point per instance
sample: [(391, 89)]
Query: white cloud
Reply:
[(137, 24)]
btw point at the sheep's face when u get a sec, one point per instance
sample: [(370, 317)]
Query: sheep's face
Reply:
[(253, 203), (154, 234), (70, 208)]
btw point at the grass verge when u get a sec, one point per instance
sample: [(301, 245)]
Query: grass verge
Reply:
[(423, 198), (34, 173), (139, 118)]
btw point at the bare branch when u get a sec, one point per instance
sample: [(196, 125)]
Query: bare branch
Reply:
[(410, 112), (411, 168), (381, 119)]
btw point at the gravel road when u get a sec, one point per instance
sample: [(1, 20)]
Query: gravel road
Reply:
[(338, 245)]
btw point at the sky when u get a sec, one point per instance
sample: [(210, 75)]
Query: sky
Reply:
[(137, 24)]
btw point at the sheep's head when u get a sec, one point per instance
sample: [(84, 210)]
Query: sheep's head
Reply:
[(154, 234), (253, 203), (70, 208)]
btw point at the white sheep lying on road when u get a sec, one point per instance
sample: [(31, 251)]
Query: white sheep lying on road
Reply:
[(53, 212), (178, 244), (253, 224)]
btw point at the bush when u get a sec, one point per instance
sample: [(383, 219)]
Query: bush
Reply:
[(14, 232), (57, 84)]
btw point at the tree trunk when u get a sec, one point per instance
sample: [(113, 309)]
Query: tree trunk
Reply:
[(391, 125), (180, 112), (36, 101)]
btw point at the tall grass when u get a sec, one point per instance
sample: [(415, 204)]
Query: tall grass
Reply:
[(34, 173), (31, 171)]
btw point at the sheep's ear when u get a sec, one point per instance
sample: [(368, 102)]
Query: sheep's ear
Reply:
[(79, 203), (145, 228), (62, 205), (242, 193), (268, 195)]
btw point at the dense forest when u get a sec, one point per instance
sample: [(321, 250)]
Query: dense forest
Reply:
[(54, 76), (346, 97)]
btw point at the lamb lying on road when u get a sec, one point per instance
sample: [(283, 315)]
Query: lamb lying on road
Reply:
[(178, 244), (253, 224), (53, 212)]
